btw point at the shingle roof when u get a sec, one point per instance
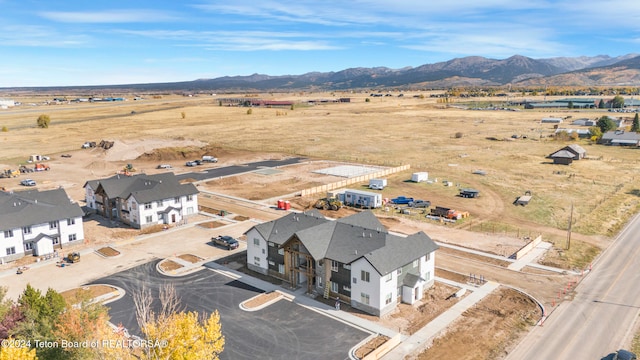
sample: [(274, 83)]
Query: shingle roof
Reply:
[(33, 207), (144, 188), (562, 154), (345, 241), (280, 230), (577, 148)]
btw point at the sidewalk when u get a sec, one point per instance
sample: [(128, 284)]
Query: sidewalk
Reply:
[(423, 337)]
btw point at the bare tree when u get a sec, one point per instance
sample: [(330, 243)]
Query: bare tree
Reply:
[(143, 300)]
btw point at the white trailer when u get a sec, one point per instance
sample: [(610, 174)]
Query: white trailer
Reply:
[(377, 184), (420, 176), (363, 199)]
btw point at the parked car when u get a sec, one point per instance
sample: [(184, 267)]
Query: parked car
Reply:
[(401, 200), (208, 158), (621, 355), (225, 241), (420, 203), (27, 182), (198, 162), (191, 163), (164, 166)]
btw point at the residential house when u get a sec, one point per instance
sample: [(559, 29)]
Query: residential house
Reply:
[(35, 222), (142, 200), (620, 138), (354, 259)]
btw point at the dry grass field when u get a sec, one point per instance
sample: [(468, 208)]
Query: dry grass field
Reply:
[(446, 140)]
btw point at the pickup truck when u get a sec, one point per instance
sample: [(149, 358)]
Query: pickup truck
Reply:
[(401, 200), (225, 241), (420, 204)]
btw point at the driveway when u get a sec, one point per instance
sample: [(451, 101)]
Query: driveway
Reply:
[(236, 169), (283, 330)]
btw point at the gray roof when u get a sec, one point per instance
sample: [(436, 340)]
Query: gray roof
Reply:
[(144, 188), (400, 251), (366, 219), (577, 149), (562, 154), (280, 230), (33, 207), (410, 280), (620, 135), (346, 241)]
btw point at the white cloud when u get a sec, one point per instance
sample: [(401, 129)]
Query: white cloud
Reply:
[(40, 36), (110, 16)]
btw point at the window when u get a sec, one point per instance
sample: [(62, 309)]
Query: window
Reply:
[(364, 275), (416, 262), (387, 299), (147, 206), (176, 200), (149, 218), (355, 280), (264, 251), (281, 251), (427, 276), (8, 233), (56, 240), (256, 260), (11, 250), (73, 237), (364, 298), (272, 244), (256, 241), (281, 268), (334, 287), (53, 225), (26, 230), (399, 271), (346, 288), (334, 266), (134, 205), (159, 203), (272, 263), (319, 281), (71, 221), (189, 197), (189, 210), (28, 246), (428, 256), (389, 277)]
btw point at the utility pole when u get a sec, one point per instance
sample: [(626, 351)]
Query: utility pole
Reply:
[(569, 228)]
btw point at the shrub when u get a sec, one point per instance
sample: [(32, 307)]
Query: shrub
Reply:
[(458, 135), (43, 121), (250, 111), (5, 129)]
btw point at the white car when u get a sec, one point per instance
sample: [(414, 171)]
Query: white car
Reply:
[(27, 182)]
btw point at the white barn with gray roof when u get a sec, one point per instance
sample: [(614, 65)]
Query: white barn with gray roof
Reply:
[(38, 223), (353, 258), (142, 200)]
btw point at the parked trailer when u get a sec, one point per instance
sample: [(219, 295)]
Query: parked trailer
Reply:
[(469, 193), (377, 184), (363, 199)]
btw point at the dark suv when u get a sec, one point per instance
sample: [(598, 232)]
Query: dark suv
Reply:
[(225, 241)]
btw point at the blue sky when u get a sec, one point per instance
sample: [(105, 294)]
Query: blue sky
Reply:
[(60, 43)]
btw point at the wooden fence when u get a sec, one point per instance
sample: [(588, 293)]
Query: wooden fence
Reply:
[(353, 180)]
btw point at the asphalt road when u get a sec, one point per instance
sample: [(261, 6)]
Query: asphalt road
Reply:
[(601, 317), (236, 169), (283, 330)]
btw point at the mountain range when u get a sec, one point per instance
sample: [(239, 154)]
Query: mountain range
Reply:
[(518, 71)]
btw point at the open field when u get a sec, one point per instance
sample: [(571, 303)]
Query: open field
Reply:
[(387, 131), (384, 131)]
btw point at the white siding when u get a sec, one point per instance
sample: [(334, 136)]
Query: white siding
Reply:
[(372, 288), (90, 197), (259, 251)]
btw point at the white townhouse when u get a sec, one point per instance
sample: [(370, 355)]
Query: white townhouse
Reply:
[(353, 258), (37, 222), (142, 200)]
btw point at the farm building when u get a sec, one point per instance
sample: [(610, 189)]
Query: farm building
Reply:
[(354, 259), (582, 133), (6, 103), (620, 138), (567, 154), (584, 122), (363, 199), (550, 120)]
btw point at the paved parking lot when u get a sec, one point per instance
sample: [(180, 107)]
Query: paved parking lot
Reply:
[(284, 330)]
